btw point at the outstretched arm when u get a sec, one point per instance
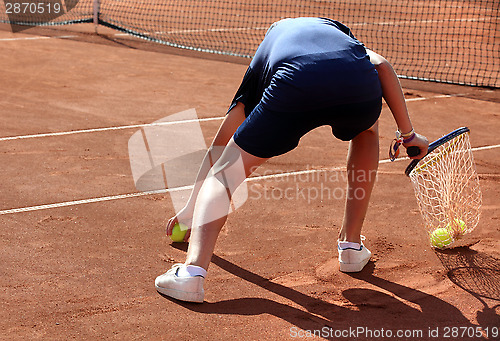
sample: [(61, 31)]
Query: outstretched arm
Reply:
[(393, 95)]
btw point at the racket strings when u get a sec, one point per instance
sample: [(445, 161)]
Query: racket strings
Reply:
[(447, 188)]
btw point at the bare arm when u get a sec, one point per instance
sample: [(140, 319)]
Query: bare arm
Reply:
[(393, 95), (392, 92)]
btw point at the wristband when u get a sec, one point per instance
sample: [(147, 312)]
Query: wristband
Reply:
[(399, 134), (400, 139), (408, 139)]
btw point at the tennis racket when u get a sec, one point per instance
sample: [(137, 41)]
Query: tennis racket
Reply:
[(447, 188)]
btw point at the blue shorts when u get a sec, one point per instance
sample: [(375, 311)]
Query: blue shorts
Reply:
[(307, 72), (267, 133)]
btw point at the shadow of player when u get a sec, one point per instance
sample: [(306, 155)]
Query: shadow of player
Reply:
[(398, 306)]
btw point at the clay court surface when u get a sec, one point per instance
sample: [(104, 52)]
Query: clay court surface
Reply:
[(85, 268)]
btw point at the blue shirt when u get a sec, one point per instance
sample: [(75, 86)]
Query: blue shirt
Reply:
[(306, 64)]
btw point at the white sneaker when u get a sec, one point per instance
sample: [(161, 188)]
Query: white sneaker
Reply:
[(352, 259), (186, 288)]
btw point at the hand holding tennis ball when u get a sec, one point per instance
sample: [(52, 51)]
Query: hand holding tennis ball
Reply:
[(441, 238), (179, 232)]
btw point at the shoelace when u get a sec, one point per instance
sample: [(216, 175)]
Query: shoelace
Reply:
[(175, 267)]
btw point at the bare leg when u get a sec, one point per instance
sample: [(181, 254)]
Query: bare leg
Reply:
[(362, 164), (213, 201), (228, 127)]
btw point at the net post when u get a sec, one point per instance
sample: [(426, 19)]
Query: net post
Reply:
[(96, 4)]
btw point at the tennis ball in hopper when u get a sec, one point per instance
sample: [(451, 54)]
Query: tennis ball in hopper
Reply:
[(441, 237), (457, 225)]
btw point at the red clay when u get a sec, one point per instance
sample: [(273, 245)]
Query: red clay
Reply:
[(86, 271)]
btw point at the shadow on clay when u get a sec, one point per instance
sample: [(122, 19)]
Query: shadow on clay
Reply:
[(398, 306)]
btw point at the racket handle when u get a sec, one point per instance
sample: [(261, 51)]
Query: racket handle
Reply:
[(413, 151)]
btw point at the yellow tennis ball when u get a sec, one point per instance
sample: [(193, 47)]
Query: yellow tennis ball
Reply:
[(178, 232), (440, 238), (458, 225)]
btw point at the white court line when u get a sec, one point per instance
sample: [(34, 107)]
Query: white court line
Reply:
[(176, 189), (400, 22), (433, 97), (95, 130), (128, 34), (38, 38), (235, 29)]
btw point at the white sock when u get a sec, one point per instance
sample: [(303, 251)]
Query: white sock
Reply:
[(349, 245), (191, 271)]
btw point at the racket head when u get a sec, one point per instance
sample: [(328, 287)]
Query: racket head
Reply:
[(439, 142)]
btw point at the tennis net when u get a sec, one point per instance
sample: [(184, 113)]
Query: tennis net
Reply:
[(445, 41)]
